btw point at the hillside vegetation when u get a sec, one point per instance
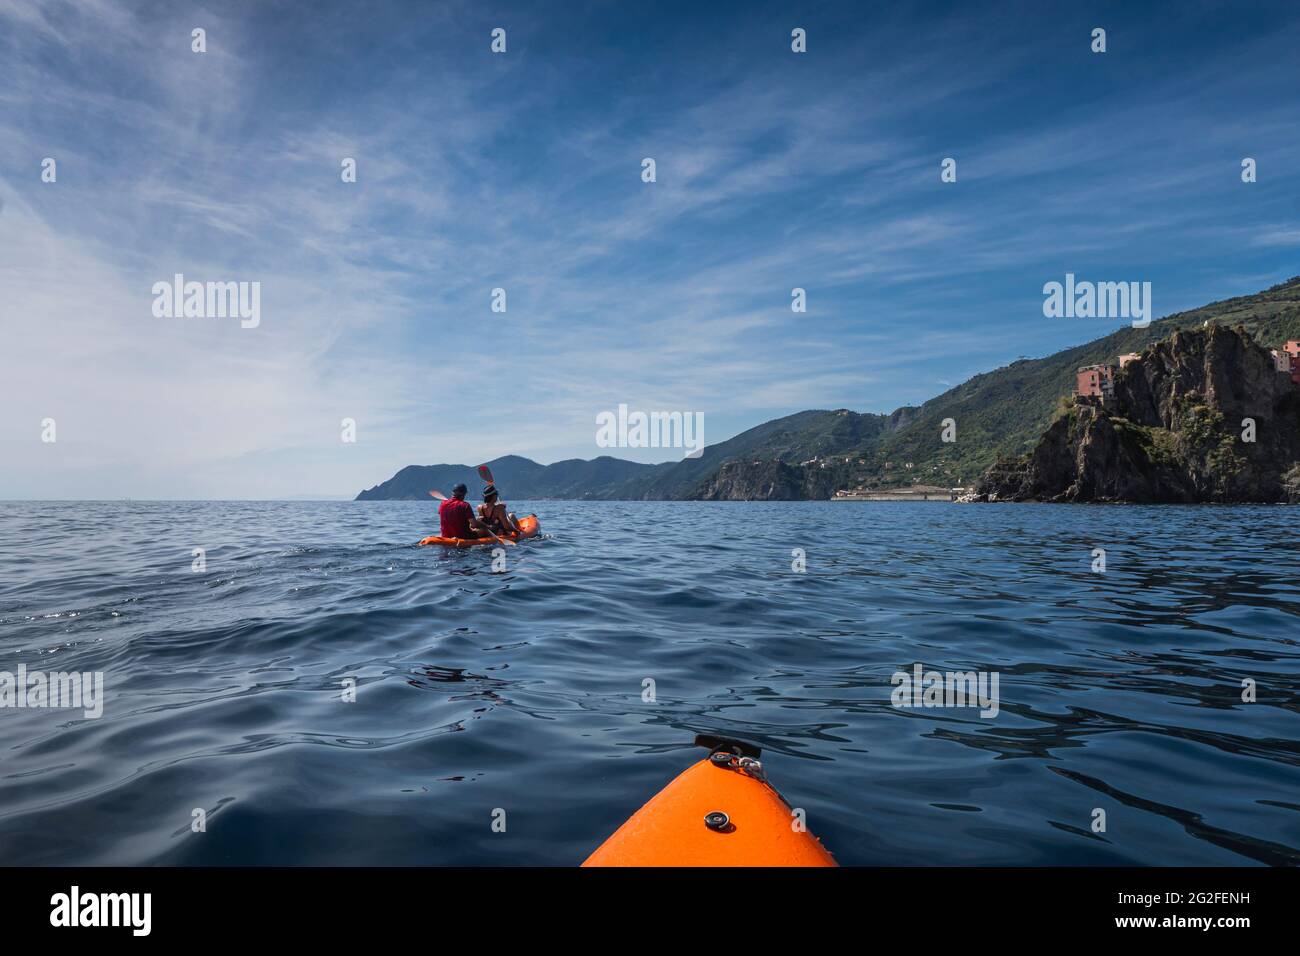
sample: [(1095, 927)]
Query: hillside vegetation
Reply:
[(1202, 416), (1003, 412)]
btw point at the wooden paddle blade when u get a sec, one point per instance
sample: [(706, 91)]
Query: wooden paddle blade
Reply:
[(438, 494)]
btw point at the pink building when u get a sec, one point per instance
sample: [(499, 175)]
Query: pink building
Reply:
[(1095, 380), (1288, 360), (1128, 357)]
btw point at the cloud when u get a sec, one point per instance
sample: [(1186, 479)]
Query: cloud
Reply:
[(1277, 236)]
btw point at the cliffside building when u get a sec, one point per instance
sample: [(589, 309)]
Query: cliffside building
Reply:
[(1095, 380), (1288, 359)]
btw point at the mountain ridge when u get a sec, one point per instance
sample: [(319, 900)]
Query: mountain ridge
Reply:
[(810, 454)]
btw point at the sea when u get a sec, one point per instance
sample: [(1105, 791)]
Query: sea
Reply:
[(298, 683)]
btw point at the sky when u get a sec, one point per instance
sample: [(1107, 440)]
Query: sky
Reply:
[(522, 170)]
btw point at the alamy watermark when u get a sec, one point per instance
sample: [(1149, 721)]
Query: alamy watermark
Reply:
[(923, 688), (651, 430), (208, 300), (37, 689), (75, 908), (1098, 300)]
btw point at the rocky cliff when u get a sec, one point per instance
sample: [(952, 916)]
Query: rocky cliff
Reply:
[(1202, 416), (767, 481)]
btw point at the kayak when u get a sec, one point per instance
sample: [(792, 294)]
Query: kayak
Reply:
[(528, 524), (718, 812)]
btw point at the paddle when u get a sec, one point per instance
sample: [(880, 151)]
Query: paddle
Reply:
[(441, 497)]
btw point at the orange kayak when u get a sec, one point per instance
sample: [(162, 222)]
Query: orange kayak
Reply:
[(719, 812), (528, 524)]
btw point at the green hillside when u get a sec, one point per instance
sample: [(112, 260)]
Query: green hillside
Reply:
[(794, 439), (997, 413), (1004, 412)]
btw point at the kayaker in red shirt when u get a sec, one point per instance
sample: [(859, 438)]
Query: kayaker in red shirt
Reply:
[(457, 517)]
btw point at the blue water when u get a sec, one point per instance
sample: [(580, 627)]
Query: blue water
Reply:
[(523, 690)]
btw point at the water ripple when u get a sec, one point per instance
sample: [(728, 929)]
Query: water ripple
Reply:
[(567, 688)]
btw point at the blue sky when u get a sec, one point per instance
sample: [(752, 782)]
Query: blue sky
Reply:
[(523, 171)]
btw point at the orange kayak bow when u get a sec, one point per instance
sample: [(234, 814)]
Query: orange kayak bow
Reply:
[(718, 812)]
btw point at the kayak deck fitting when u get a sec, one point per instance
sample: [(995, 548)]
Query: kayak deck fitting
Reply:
[(528, 524), (719, 812)]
